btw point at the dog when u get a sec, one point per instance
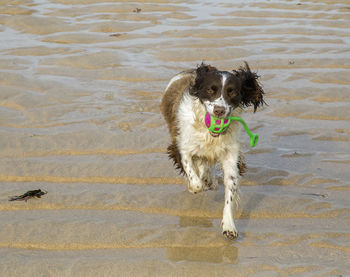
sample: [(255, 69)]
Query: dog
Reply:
[(195, 150)]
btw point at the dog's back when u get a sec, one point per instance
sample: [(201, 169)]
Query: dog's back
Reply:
[(174, 92)]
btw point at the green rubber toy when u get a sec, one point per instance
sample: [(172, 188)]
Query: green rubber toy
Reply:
[(220, 125)]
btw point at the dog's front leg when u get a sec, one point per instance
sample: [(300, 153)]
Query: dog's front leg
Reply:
[(205, 174), (195, 184), (231, 179)]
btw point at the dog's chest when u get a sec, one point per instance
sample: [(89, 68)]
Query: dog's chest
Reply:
[(194, 137)]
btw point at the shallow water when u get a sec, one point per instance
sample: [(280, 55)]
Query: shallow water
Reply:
[(80, 86)]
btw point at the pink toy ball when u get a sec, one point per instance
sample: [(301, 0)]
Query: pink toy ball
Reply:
[(207, 120), (215, 124)]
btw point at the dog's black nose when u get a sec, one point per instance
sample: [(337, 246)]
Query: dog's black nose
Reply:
[(219, 111)]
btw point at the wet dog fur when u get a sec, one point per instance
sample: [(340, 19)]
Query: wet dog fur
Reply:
[(194, 149)]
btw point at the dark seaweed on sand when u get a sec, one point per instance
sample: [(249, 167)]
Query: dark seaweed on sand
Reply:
[(29, 194)]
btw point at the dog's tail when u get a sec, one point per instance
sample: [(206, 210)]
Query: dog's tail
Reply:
[(175, 155)]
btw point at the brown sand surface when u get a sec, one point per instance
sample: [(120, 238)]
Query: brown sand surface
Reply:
[(80, 87)]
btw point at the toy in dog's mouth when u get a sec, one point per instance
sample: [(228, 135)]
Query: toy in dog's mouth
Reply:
[(217, 126)]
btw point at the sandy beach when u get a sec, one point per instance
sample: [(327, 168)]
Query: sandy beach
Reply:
[(80, 87)]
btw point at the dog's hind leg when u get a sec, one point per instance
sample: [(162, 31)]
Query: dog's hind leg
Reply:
[(231, 182), (174, 154)]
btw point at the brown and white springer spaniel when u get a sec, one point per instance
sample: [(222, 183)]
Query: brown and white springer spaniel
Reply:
[(194, 149)]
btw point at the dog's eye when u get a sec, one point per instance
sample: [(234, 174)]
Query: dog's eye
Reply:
[(213, 89), (230, 91)]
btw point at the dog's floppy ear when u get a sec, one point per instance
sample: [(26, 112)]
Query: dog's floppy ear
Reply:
[(201, 72), (251, 91)]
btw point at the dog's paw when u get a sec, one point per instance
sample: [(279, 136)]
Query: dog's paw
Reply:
[(211, 184), (195, 185), (229, 229), (230, 234)]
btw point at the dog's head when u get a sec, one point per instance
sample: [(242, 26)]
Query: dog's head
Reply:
[(223, 91)]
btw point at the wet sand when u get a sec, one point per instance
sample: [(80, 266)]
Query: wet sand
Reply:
[(80, 87)]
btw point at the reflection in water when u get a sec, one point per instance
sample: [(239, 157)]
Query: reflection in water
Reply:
[(186, 221), (226, 254)]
